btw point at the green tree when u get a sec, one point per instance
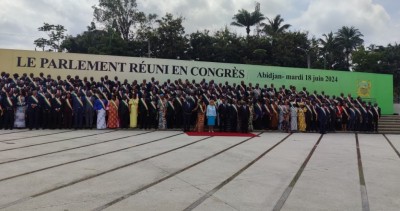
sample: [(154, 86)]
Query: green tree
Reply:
[(348, 39), (246, 19), (202, 46), (146, 31), (56, 34), (122, 15), (171, 41), (94, 41), (274, 26), (228, 47), (328, 49)]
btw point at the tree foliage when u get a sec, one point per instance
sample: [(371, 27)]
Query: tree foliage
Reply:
[(55, 33), (121, 15), (246, 19), (129, 32)]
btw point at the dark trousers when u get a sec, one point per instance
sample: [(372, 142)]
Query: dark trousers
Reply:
[(222, 124), (144, 121), (78, 118), (67, 117), (89, 117), (124, 119), (258, 123), (170, 121), (178, 120), (186, 122), (322, 127), (244, 125), (47, 119), (153, 121), (8, 120), (57, 119), (376, 125), (33, 115)]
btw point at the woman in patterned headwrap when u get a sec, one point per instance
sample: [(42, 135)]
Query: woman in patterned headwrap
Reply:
[(20, 113), (201, 110), (162, 109), (113, 120)]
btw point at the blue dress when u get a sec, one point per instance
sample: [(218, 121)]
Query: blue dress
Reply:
[(100, 107), (211, 115)]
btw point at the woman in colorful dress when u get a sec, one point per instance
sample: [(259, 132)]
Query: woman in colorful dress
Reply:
[(162, 109), (100, 107), (302, 118), (251, 108), (286, 117), (20, 112), (281, 116), (201, 109), (113, 120), (133, 110), (211, 115), (274, 116), (293, 117)]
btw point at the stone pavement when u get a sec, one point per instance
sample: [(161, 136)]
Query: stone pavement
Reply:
[(168, 170)]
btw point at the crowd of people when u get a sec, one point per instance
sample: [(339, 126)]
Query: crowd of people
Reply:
[(43, 102)]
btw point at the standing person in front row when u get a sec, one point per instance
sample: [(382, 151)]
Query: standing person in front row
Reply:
[(33, 111), (162, 110), (322, 119), (244, 115), (211, 115), (133, 111), (20, 113), (187, 112), (67, 111), (78, 109), (113, 120), (302, 118), (123, 112), (8, 110), (200, 108), (100, 107), (89, 110)]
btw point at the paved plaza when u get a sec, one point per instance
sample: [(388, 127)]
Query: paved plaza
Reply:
[(168, 170)]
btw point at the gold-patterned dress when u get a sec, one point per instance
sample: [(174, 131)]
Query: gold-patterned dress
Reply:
[(133, 108), (301, 116)]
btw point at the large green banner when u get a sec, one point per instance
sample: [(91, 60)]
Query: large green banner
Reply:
[(371, 87)]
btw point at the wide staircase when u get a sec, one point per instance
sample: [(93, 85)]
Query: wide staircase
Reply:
[(389, 124)]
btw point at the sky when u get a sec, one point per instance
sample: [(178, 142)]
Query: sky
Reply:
[(377, 20)]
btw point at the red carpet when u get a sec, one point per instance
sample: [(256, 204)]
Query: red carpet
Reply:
[(220, 134)]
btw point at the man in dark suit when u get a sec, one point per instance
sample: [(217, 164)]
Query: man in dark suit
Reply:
[(123, 112), (56, 111), (78, 110), (377, 114), (33, 110), (322, 118), (144, 112), (178, 111), (153, 112), (222, 112), (47, 117), (8, 104), (187, 113), (170, 115), (258, 111), (244, 115)]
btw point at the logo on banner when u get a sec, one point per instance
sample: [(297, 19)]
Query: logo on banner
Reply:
[(364, 88)]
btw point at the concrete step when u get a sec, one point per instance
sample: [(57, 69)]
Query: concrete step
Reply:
[(388, 123), (390, 118), (389, 132)]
